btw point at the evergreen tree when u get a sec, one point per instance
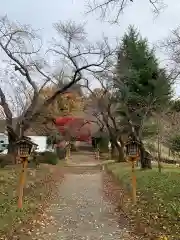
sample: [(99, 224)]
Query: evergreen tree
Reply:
[(142, 86)]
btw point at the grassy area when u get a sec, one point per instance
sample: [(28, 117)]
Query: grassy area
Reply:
[(36, 190), (158, 197)]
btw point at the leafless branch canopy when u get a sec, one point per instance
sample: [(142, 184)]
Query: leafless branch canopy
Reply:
[(102, 106), (107, 7), (171, 47), (21, 48)]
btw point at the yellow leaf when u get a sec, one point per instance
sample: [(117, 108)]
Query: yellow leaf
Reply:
[(162, 238)]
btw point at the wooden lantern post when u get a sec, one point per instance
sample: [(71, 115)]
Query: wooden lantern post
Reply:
[(69, 150), (24, 147), (132, 151), (133, 182), (68, 153), (22, 182), (109, 150), (97, 152), (97, 148)]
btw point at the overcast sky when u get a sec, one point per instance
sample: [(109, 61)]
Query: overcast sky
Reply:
[(42, 14)]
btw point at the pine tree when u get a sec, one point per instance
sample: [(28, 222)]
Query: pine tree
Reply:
[(142, 86)]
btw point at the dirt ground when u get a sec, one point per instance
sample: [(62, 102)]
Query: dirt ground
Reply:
[(80, 210)]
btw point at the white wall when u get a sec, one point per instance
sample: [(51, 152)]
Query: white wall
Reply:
[(4, 137), (40, 141)]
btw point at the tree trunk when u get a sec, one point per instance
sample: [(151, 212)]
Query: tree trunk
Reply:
[(169, 152), (120, 149), (121, 157), (11, 140), (159, 154), (145, 158), (11, 147), (113, 148)]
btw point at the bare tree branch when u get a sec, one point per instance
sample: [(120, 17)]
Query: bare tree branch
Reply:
[(77, 54), (171, 47), (6, 108), (103, 108), (106, 7), (73, 51), (8, 115)]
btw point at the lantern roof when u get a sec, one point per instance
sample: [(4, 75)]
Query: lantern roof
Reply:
[(26, 140), (130, 141)]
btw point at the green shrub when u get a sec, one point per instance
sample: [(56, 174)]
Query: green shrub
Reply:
[(33, 160), (47, 157), (61, 153), (103, 144)]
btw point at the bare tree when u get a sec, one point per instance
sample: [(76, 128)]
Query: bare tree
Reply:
[(107, 7), (21, 48), (170, 46), (103, 108)]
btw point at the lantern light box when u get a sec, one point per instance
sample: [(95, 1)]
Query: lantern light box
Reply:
[(132, 148), (24, 147)]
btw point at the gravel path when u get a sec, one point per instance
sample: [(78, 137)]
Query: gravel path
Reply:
[(81, 212)]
